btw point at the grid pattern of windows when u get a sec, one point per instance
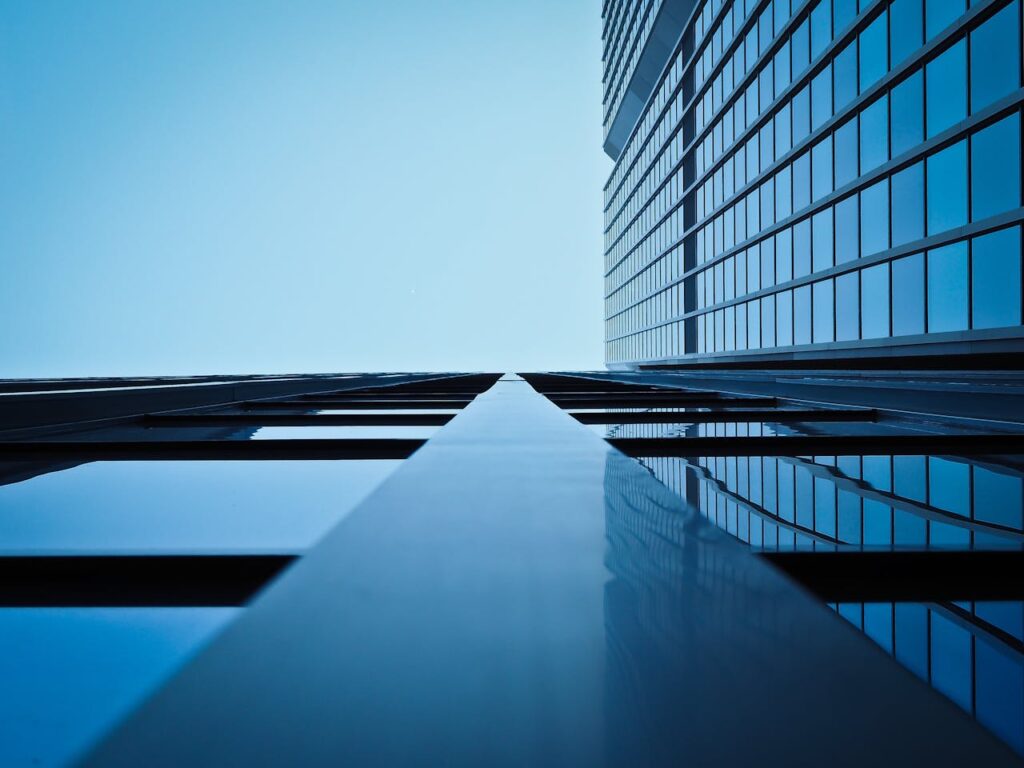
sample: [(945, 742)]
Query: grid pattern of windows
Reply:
[(821, 173)]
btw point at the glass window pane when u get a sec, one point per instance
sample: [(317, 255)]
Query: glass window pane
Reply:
[(844, 12), (784, 256), (847, 230), (873, 52), (995, 279), (801, 42), (802, 248), (802, 182), (874, 218), (908, 288), (946, 76), (939, 14), (844, 73), (821, 168), (821, 235), (784, 318), (821, 98), (874, 135), (846, 153), (847, 307), (908, 205), (995, 57), (874, 291), (905, 27), (824, 328), (995, 168), (768, 321), (802, 315), (821, 27), (947, 288), (947, 188), (783, 193), (801, 114), (907, 114)]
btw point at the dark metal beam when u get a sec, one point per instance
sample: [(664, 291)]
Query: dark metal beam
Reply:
[(299, 420), (660, 401), (909, 576), (135, 580), (213, 450), (366, 404), (700, 417), (821, 445)]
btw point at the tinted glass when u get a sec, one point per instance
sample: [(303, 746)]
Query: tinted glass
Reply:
[(995, 57), (996, 279), (875, 306), (947, 188), (908, 288), (947, 89), (947, 288), (908, 205), (995, 168)]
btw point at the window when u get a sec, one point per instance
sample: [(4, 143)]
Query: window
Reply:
[(821, 235), (874, 218), (802, 182), (802, 315), (802, 249), (939, 14), (784, 318), (947, 288), (908, 205), (781, 66), (947, 188), (847, 307), (801, 114), (824, 322), (908, 288), (768, 321), (995, 168), (821, 98), (801, 41), (946, 91), (783, 193), (875, 301), (845, 12), (753, 269), (844, 70), (784, 256), (821, 168), (768, 263), (847, 226), (874, 135), (846, 152), (996, 279), (905, 25), (782, 131), (907, 114), (821, 27), (995, 58), (873, 52), (753, 324)]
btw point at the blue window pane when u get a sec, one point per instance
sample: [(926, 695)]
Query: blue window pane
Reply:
[(768, 263), (996, 279), (783, 131), (847, 226), (844, 73), (874, 218), (821, 168), (995, 57), (905, 24), (878, 623), (802, 182), (907, 114), (845, 139), (824, 328), (784, 256), (801, 47), (801, 114), (939, 14), (802, 315), (995, 168), (874, 135), (847, 307), (999, 693), (877, 523), (768, 321), (909, 477), (821, 97), (947, 188), (908, 287), (821, 235), (874, 291), (784, 318), (998, 498), (949, 485), (912, 637), (781, 66), (946, 76), (908, 205), (821, 27), (783, 193), (947, 288), (873, 52), (802, 248), (845, 11)]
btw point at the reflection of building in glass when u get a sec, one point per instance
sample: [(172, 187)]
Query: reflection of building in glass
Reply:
[(815, 179)]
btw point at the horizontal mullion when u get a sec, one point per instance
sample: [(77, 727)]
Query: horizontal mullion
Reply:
[(356, 404), (769, 415), (211, 450), (905, 576), (135, 580), (661, 402), (822, 445), (299, 420)]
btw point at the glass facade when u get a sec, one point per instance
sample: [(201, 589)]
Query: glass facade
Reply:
[(820, 178)]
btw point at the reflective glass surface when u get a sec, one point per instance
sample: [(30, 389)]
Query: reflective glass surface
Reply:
[(344, 433), (69, 674), (183, 506)]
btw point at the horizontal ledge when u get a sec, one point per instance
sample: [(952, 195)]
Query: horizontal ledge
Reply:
[(299, 420), (821, 445), (659, 401), (211, 450), (388, 396), (908, 576), (355, 404), (771, 415), (135, 580)]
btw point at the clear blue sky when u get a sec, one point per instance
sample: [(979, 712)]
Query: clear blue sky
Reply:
[(201, 186)]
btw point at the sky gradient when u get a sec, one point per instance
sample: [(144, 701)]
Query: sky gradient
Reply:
[(220, 187)]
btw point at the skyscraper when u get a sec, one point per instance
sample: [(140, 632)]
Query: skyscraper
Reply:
[(812, 182)]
